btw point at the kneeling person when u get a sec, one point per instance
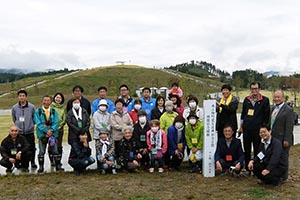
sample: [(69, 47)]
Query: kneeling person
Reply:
[(15, 151), (229, 154), (105, 150), (270, 164)]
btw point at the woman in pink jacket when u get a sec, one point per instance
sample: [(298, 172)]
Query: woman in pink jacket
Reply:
[(157, 145)]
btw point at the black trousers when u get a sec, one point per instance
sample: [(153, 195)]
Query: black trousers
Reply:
[(272, 178), (250, 137), (31, 140), (23, 163), (175, 162)]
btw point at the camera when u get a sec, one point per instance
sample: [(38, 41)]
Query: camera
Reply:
[(231, 169)]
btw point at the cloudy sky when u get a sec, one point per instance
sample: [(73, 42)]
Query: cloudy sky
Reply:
[(232, 34)]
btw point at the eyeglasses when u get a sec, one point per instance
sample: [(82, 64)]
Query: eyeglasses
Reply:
[(254, 88)]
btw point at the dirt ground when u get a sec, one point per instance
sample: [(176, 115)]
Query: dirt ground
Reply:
[(146, 186)]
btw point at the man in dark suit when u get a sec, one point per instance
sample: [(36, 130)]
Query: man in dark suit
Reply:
[(282, 123), (270, 164)]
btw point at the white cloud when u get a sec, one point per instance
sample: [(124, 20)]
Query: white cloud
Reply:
[(231, 34)]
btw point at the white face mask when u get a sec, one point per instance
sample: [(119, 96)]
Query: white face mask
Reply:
[(137, 106), (76, 106), (142, 119), (192, 121), (154, 129), (169, 108), (102, 108), (192, 104), (178, 125)]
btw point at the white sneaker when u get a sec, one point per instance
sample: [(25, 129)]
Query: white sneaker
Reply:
[(114, 171), (160, 170), (151, 170)]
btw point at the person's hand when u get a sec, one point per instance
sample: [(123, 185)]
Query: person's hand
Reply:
[(12, 160), (194, 149), (240, 131), (18, 156), (238, 166), (102, 158), (109, 163), (218, 166), (145, 151), (265, 172), (250, 165), (139, 156), (286, 144), (135, 163), (49, 133)]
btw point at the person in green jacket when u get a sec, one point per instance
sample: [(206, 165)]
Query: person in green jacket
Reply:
[(194, 135), (167, 118), (58, 106)]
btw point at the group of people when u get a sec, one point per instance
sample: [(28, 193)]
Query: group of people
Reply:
[(148, 133)]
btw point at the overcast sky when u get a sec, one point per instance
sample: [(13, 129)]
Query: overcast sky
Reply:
[(232, 34)]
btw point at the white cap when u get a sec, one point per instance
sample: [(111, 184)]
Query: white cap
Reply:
[(103, 102)]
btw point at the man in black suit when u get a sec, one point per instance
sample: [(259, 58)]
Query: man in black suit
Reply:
[(282, 123), (270, 164)]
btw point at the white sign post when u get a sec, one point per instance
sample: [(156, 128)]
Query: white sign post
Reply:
[(210, 138)]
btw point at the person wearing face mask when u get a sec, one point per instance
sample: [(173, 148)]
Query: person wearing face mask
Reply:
[(178, 107), (101, 120), (159, 108), (194, 131), (226, 111), (78, 121), (134, 112), (192, 102), (176, 142), (118, 119), (139, 133), (157, 144), (166, 120)]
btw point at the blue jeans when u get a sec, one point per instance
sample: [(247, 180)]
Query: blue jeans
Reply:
[(42, 149), (80, 164), (104, 165)]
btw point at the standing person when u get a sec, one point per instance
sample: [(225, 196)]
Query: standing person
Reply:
[(176, 142), (15, 151), (159, 108), (192, 102), (140, 130), (47, 121), (176, 90), (270, 164), (194, 137), (148, 103), (167, 119), (226, 111), (134, 113), (157, 145), (78, 121), (229, 153), (178, 106), (23, 118), (84, 103), (282, 123), (128, 100), (102, 92), (58, 106), (118, 120), (101, 119), (255, 112)]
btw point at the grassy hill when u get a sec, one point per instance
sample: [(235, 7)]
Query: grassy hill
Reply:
[(111, 77)]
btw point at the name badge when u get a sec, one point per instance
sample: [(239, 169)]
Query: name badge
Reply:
[(250, 112), (179, 146), (13, 151), (261, 155), (79, 124), (22, 119), (154, 151), (228, 157), (194, 141), (131, 154), (142, 138)]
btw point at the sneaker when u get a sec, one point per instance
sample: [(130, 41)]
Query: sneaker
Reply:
[(113, 171), (160, 170), (151, 170), (25, 170), (102, 171)]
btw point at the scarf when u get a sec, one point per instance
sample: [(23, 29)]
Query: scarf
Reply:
[(79, 115), (156, 139), (222, 102), (104, 146)]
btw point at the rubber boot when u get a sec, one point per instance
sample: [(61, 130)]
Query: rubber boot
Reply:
[(41, 164), (57, 159), (52, 162)]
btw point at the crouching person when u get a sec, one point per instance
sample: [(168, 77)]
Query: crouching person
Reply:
[(80, 156), (229, 154), (105, 152), (270, 164), (15, 151), (129, 155), (157, 144), (46, 119)]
